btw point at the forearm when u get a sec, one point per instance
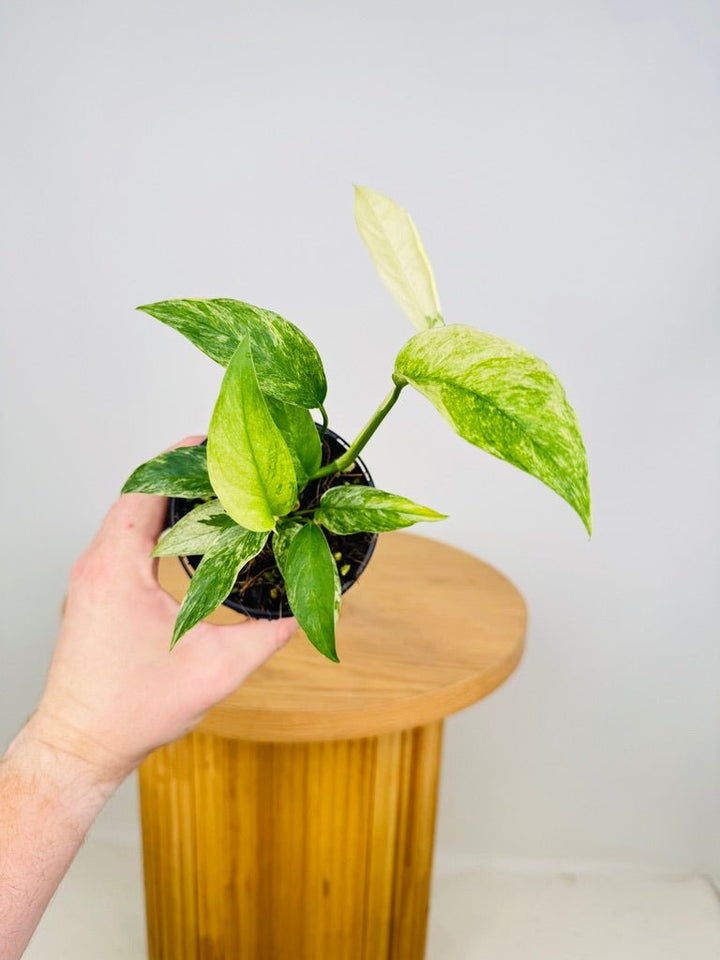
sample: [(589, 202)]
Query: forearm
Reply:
[(114, 693), (48, 800)]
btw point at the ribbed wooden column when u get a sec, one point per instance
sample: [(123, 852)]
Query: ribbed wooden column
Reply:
[(262, 851), (298, 823)]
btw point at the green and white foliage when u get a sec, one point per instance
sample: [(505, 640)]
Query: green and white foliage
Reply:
[(181, 472), (288, 365), (194, 533), (353, 509), (300, 434), (281, 540), (313, 587), (215, 576), (501, 398), (249, 463), (399, 256), (264, 451)]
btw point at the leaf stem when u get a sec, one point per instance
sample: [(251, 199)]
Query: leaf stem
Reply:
[(324, 415), (362, 438)]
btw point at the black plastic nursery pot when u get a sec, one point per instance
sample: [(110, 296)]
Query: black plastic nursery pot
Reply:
[(259, 591)]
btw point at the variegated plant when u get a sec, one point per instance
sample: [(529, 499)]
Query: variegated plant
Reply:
[(263, 446)]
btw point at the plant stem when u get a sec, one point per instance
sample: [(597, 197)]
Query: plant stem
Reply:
[(323, 414), (362, 438)]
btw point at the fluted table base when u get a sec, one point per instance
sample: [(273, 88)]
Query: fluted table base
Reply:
[(290, 851)]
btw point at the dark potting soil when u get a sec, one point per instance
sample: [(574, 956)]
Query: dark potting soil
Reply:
[(259, 590)]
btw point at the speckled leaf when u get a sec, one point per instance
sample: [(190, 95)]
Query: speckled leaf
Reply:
[(181, 472), (501, 398), (313, 587), (353, 509), (287, 363), (215, 576), (300, 433), (281, 540), (249, 463), (399, 256), (194, 533)]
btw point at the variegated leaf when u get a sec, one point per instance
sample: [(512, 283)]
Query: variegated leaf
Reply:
[(313, 587), (352, 509), (501, 398), (281, 540), (287, 363), (300, 433), (249, 463), (399, 256), (194, 533), (215, 576), (181, 472)]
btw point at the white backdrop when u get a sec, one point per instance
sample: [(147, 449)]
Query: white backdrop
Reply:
[(561, 159)]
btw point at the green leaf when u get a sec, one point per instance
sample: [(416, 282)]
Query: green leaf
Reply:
[(181, 472), (222, 521), (501, 398), (300, 433), (215, 576), (194, 533), (399, 256), (287, 363), (354, 509), (313, 587), (281, 540), (249, 463)]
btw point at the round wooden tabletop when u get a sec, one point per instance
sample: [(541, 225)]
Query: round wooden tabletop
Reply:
[(427, 630)]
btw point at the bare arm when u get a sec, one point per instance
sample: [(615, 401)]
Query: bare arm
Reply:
[(114, 694), (47, 803)]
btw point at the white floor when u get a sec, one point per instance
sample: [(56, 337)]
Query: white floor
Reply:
[(513, 913)]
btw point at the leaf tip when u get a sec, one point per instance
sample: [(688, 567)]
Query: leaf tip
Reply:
[(180, 628), (585, 510), (366, 193)]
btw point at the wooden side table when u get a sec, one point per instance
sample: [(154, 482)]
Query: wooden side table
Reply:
[(298, 822)]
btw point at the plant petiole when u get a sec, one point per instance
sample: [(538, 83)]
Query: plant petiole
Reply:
[(344, 461), (324, 415), (299, 513)]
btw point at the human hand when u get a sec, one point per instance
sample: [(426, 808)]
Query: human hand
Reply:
[(115, 691)]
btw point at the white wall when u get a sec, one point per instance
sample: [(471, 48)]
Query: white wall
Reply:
[(562, 161)]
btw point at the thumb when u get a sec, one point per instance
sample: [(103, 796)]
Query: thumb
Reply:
[(244, 647)]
